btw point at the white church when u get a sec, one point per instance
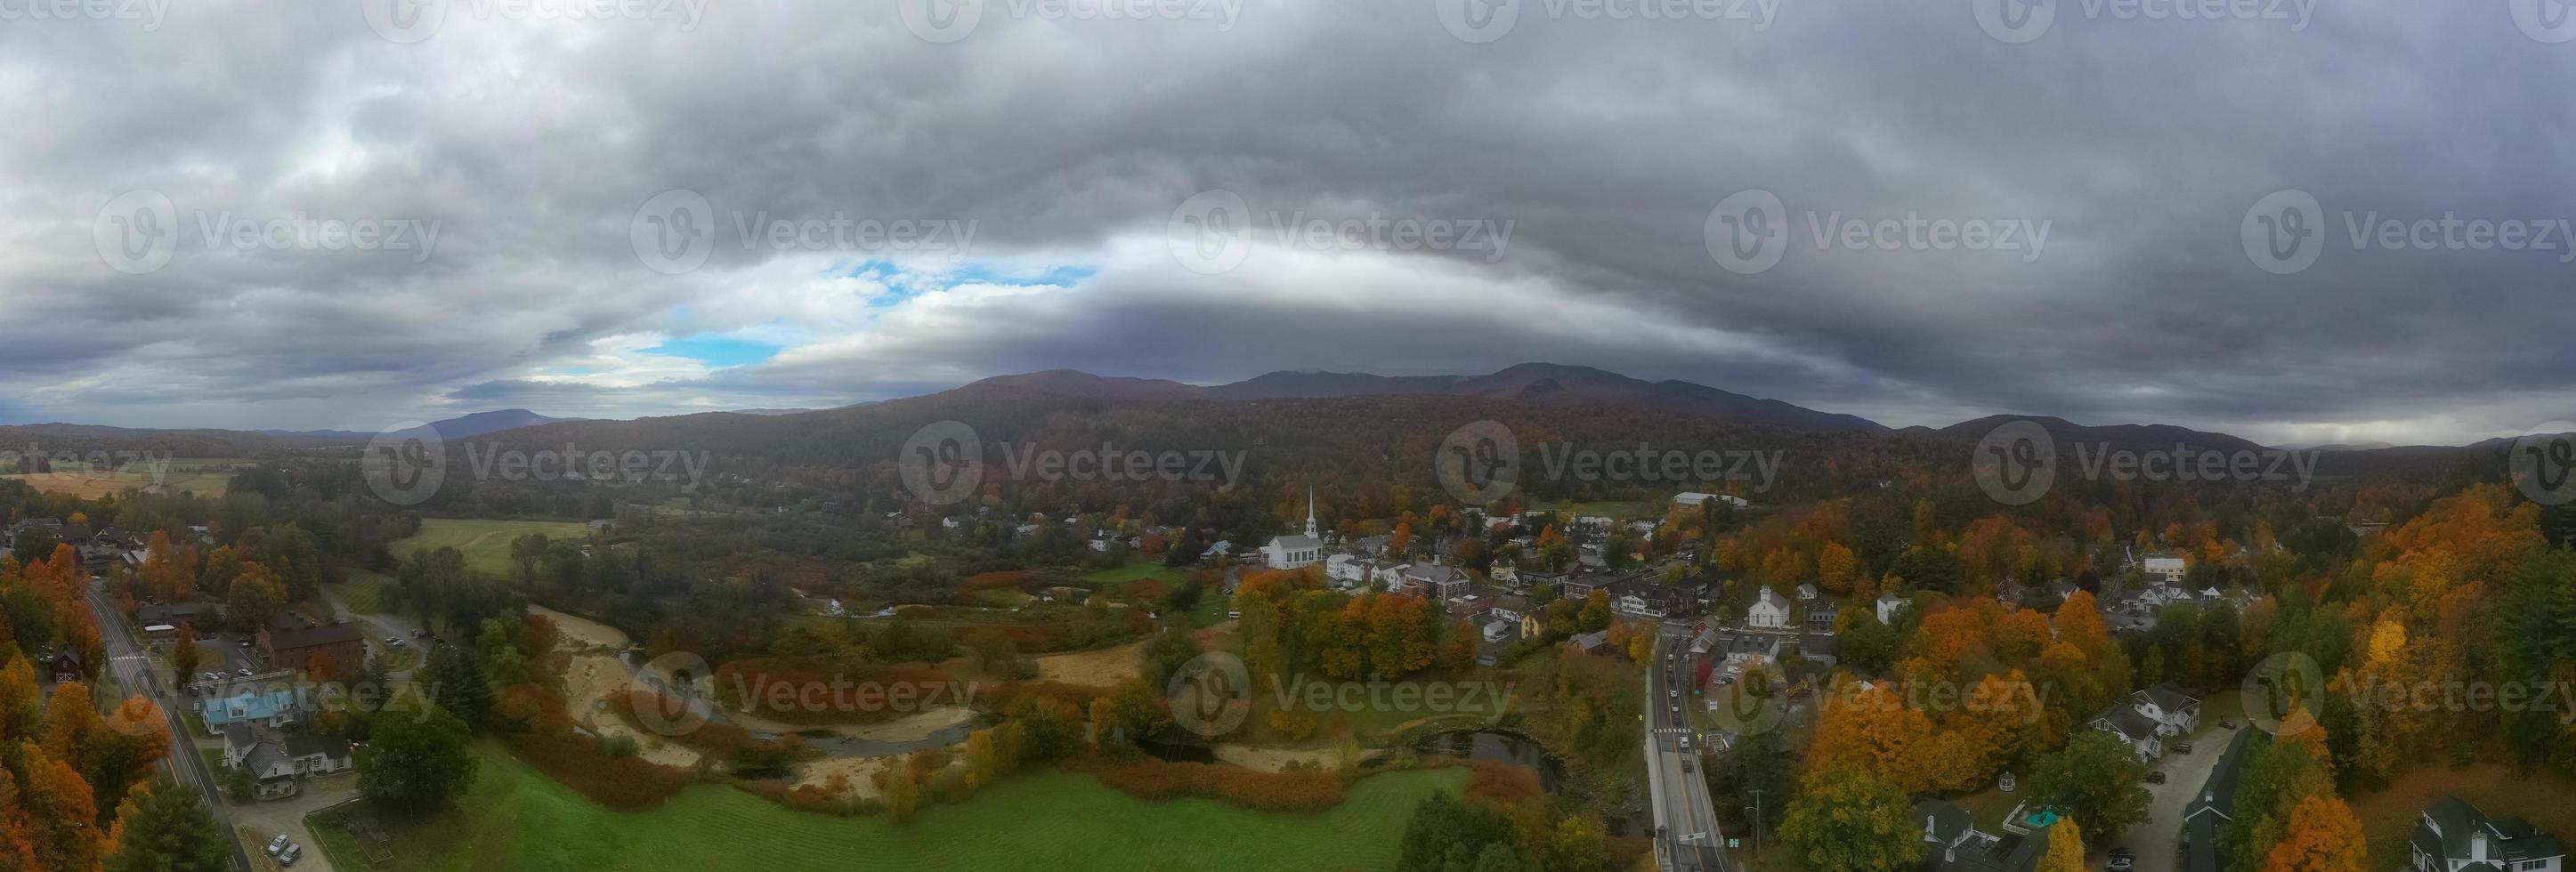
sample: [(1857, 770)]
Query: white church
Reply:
[(1290, 552)]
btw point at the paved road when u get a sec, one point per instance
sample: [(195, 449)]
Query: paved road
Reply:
[(1677, 783), (132, 669), (2158, 840)]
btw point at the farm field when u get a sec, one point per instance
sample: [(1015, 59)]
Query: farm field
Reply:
[(486, 543), (204, 475), (515, 818)]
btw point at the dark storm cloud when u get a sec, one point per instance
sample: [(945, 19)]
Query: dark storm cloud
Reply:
[(1605, 143)]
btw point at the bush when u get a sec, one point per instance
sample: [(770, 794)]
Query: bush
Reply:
[(624, 783), (1151, 779), (618, 746)]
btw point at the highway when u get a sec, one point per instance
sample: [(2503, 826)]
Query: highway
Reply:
[(135, 673), (1690, 840)]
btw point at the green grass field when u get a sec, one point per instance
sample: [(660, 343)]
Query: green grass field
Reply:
[(1133, 571), (486, 543), (516, 818)]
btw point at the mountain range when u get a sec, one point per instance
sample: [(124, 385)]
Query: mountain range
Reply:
[(1538, 383)]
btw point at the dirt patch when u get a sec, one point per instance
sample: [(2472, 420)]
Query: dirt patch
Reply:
[(1106, 667), (588, 683), (860, 772), (580, 633)]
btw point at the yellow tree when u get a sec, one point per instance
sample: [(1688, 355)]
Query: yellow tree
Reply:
[(2065, 848), (1836, 567), (2323, 837)]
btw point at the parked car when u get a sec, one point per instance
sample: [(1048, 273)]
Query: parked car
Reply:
[(2227, 723), (2182, 747), (277, 845), (2120, 864), (2156, 777), (293, 852)]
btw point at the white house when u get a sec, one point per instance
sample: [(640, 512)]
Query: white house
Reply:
[(1767, 610), (2453, 836), (2163, 567), (1693, 498), (1888, 605), (2148, 717), (1291, 552), (1347, 572), (279, 762)]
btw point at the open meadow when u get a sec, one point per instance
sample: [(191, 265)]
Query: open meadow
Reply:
[(516, 818), (486, 543)]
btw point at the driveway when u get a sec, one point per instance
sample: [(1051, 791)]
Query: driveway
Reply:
[(2158, 841), (266, 819)]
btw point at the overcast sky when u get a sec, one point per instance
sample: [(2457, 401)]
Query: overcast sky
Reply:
[(219, 215)]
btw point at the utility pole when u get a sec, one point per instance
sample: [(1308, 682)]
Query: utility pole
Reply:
[(1757, 821)]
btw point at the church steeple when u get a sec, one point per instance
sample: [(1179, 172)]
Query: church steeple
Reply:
[(1310, 510)]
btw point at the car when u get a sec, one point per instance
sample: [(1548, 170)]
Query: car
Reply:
[(293, 852), (2182, 747), (1686, 765), (2227, 723), (2119, 864), (2156, 777), (1677, 708), (243, 672), (1234, 614), (389, 640), (278, 844), (1673, 692)]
